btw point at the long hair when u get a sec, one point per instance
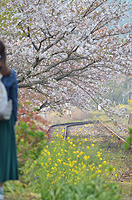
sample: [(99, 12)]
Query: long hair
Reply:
[(4, 70)]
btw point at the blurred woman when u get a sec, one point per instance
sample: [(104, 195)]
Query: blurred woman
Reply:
[(8, 155)]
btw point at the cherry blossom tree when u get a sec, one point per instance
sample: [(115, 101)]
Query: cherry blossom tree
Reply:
[(61, 50)]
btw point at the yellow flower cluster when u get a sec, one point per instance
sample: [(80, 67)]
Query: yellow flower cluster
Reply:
[(70, 161)]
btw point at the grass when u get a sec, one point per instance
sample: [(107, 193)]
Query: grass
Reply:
[(122, 162), (15, 190)]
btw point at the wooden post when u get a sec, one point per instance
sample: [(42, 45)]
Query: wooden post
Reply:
[(130, 119), (65, 133)]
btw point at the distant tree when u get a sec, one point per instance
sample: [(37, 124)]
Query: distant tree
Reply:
[(120, 89), (62, 49)]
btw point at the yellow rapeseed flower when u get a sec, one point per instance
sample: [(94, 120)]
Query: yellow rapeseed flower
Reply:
[(81, 153), (85, 157), (59, 160), (83, 166)]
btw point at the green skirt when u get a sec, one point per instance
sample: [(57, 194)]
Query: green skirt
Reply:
[(8, 155)]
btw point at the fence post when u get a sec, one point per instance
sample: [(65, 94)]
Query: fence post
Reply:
[(66, 133), (130, 119)]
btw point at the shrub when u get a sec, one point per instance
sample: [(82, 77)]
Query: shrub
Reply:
[(30, 143), (31, 135)]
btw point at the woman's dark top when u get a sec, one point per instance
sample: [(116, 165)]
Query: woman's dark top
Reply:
[(10, 83)]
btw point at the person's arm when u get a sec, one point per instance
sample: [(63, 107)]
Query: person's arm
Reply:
[(14, 94)]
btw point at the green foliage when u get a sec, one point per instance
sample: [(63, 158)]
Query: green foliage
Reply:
[(35, 109), (15, 190), (128, 143), (30, 143), (94, 189)]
